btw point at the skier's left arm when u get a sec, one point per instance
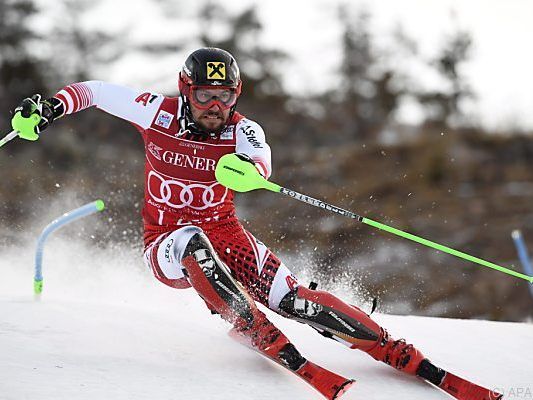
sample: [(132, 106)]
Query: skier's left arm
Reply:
[(251, 141)]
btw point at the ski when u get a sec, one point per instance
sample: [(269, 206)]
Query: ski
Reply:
[(455, 386), (329, 384)]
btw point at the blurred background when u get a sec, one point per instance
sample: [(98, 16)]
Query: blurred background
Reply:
[(413, 113)]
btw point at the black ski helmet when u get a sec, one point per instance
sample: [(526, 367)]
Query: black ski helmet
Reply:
[(207, 67), (210, 66)]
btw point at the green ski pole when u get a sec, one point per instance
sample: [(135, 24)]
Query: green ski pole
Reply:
[(242, 176)]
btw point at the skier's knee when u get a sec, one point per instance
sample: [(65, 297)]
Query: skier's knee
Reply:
[(177, 242), (214, 283), (164, 255), (197, 241), (284, 282), (201, 250), (295, 303)]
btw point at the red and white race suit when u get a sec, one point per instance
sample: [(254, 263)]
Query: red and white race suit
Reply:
[(181, 190)]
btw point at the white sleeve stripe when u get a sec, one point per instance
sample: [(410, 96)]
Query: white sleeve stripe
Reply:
[(261, 166), (90, 96), (81, 90), (77, 100), (87, 93), (68, 98), (79, 95)]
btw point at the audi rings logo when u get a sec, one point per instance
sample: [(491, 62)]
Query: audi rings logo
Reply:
[(177, 194)]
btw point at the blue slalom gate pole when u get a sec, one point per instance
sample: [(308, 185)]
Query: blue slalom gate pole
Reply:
[(523, 255), (66, 218)]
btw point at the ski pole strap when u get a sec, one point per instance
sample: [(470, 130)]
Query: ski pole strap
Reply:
[(445, 249), (320, 204)]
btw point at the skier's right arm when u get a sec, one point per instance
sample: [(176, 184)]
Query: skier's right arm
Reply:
[(34, 115)]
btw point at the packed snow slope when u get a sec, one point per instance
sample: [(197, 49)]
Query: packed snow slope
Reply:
[(106, 329)]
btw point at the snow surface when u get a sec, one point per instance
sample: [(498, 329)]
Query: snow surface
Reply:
[(106, 329)]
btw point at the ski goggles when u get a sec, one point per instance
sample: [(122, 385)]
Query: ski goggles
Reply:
[(204, 97)]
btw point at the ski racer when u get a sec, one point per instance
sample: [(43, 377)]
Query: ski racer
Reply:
[(192, 236)]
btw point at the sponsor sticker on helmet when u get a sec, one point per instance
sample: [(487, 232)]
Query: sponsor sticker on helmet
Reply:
[(216, 70), (164, 119)]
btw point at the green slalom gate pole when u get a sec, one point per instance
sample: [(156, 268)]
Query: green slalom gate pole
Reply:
[(242, 176)]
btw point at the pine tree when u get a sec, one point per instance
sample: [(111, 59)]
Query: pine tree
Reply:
[(21, 73), (366, 97), (443, 107)]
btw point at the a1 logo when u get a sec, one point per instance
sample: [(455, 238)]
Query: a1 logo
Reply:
[(291, 281)]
